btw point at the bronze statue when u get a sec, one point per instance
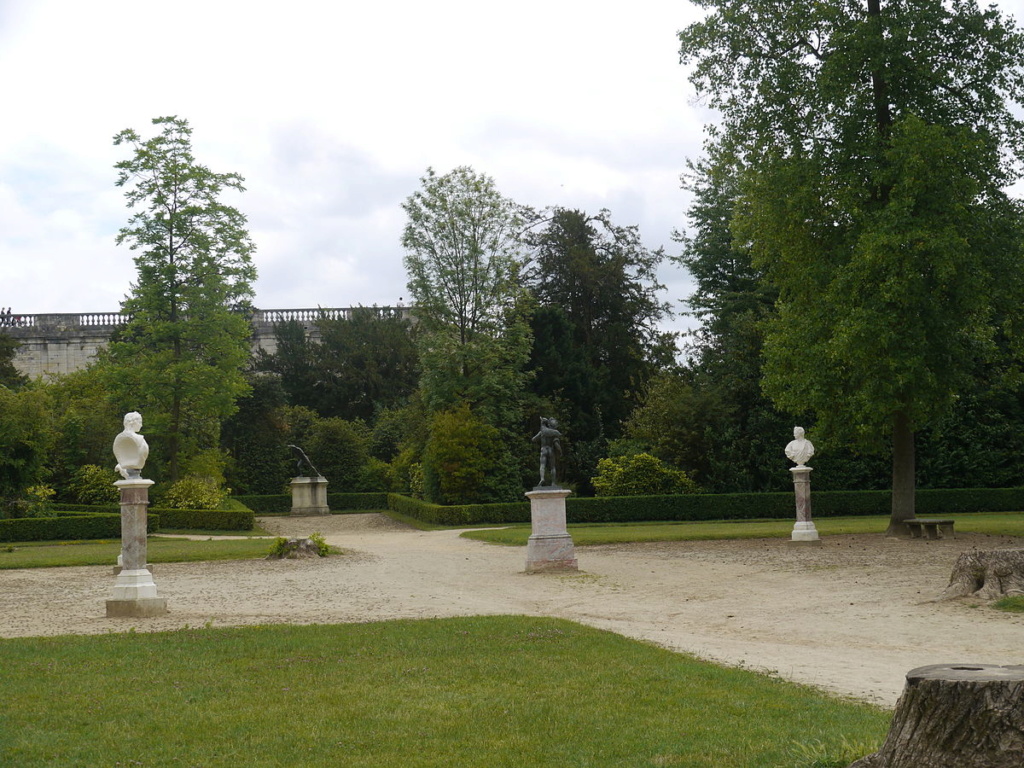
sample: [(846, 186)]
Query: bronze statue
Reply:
[(550, 446)]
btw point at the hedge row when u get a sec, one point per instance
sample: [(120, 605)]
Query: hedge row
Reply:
[(67, 527), (206, 519), (725, 506), (281, 503)]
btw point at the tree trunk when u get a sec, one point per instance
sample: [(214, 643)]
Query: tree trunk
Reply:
[(987, 575), (956, 716), (903, 479)]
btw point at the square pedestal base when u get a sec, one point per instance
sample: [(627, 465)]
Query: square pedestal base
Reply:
[(804, 532), (142, 607), (546, 553)]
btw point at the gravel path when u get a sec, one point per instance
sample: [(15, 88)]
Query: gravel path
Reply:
[(851, 616)]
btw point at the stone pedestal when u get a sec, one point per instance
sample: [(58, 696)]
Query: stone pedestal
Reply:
[(550, 546), (804, 531), (309, 496), (134, 590)]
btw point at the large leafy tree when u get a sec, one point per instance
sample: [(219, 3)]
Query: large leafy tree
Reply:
[(464, 259), (601, 280), (180, 357), (874, 142)]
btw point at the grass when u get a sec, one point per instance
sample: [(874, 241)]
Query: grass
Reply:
[(105, 552), (485, 691), (993, 523), (1012, 604)]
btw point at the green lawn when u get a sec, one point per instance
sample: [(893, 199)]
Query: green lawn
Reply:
[(994, 523), (159, 550), (493, 692)]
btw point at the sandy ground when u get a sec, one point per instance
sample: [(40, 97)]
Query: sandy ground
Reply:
[(851, 616)]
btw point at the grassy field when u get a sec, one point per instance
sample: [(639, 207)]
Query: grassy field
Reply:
[(994, 523), (159, 550), (494, 691)]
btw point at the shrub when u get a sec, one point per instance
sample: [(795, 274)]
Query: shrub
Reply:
[(92, 484), (640, 475), (338, 449), (376, 475), (207, 519), (39, 501), (192, 492), (462, 462)]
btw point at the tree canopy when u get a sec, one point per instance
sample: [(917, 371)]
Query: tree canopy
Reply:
[(872, 142), (179, 358)]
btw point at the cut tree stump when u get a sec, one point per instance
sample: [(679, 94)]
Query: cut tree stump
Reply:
[(956, 716), (987, 574), (295, 549)]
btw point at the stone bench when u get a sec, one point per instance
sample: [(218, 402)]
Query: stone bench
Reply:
[(930, 529)]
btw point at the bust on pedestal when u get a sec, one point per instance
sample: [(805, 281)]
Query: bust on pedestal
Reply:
[(800, 450), (134, 590), (550, 546)]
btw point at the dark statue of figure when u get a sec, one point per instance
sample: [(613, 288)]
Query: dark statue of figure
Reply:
[(303, 459), (550, 447)]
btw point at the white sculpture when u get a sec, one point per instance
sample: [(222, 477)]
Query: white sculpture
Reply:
[(799, 449), (130, 448)]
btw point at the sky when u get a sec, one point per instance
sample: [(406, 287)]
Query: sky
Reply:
[(333, 112)]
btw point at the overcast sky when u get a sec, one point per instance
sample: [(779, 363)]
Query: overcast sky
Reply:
[(332, 112)]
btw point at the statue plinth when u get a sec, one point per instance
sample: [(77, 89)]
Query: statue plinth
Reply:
[(550, 546), (804, 531), (134, 592), (309, 496)]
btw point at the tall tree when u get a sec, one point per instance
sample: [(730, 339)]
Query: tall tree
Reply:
[(180, 356), (874, 142), (602, 280), (10, 376), (464, 259)]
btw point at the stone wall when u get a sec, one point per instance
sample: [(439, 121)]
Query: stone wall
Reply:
[(62, 343)]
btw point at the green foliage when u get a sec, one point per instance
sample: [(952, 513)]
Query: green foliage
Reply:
[(596, 334), (640, 475), (1011, 604), (92, 484), (466, 461), (464, 261), (256, 438), (461, 514), (205, 519), (25, 439), (869, 170), (67, 527), (376, 475), (194, 492), (39, 501), (180, 356), (339, 450), (10, 377), (322, 547)]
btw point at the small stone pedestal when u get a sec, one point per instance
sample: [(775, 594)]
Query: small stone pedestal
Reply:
[(309, 496), (134, 593), (804, 531), (550, 546)]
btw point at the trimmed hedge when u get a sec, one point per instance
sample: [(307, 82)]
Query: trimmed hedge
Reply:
[(281, 503), (66, 527), (206, 519), (724, 506)]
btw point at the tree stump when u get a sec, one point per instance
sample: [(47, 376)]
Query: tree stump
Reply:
[(294, 549), (987, 575), (956, 716)]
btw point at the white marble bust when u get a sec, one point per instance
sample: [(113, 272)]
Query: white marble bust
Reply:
[(799, 449), (130, 448)]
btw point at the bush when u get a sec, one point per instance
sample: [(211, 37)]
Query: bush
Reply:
[(376, 475), (192, 492), (65, 527), (92, 484), (640, 475), (267, 504), (339, 450), (206, 519), (463, 459)]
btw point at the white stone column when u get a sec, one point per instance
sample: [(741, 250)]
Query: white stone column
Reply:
[(309, 496), (804, 530), (550, 547), (134, 589)]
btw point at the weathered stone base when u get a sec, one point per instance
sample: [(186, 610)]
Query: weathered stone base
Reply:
[(805, 532), (143, 607), (550, 553), (309, 497)]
